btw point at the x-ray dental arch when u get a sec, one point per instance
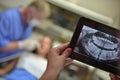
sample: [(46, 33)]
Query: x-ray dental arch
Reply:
[(99, 45)]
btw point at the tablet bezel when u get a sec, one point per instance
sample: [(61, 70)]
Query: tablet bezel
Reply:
[(98, 26)]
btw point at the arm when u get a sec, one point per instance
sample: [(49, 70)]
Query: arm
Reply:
[(57, 59), (27, 44), (10, 47), (48, 75), (8, 68), (5, 43)]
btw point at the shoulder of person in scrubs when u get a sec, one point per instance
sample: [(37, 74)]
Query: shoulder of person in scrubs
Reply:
[(12, 29)]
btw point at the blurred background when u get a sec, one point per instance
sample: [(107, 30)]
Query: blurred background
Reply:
[(61, 24)]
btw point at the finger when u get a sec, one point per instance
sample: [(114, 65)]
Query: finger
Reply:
[(68, 61), (61, 48), (118, 77), (112, 76), (67, 52)]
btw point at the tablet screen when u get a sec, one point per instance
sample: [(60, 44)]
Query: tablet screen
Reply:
[(97, 45)]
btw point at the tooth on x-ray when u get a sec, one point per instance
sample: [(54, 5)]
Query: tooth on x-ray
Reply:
[(99, 45)]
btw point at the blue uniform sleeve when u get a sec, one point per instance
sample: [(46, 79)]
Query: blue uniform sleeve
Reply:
[(4, 23), (27, 33)]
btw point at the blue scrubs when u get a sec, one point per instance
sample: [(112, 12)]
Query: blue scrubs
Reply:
[(12, 29), (19, 74)]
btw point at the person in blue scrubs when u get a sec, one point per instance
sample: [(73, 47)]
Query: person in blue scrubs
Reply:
[(16, 28)]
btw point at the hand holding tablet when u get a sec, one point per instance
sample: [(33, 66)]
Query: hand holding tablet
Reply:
[(96, 44)]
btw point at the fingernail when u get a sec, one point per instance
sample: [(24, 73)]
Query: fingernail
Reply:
[(69, 50)]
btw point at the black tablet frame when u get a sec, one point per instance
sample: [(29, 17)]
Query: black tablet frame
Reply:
[(98, 26)]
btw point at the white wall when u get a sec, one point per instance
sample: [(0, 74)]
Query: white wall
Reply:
[(109, 8), (14, 3)]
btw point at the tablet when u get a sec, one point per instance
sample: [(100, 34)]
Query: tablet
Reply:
[(96, 44)]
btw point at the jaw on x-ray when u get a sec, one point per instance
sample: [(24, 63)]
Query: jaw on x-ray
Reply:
[(99, 45)]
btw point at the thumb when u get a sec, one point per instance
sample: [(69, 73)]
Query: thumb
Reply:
[(67, 52)]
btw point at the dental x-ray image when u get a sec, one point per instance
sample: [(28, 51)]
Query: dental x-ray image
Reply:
[(98, 45)]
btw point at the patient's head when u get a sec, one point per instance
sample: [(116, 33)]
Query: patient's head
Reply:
[(45, 46)]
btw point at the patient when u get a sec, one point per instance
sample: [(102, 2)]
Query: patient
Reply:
[(31, 66)]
